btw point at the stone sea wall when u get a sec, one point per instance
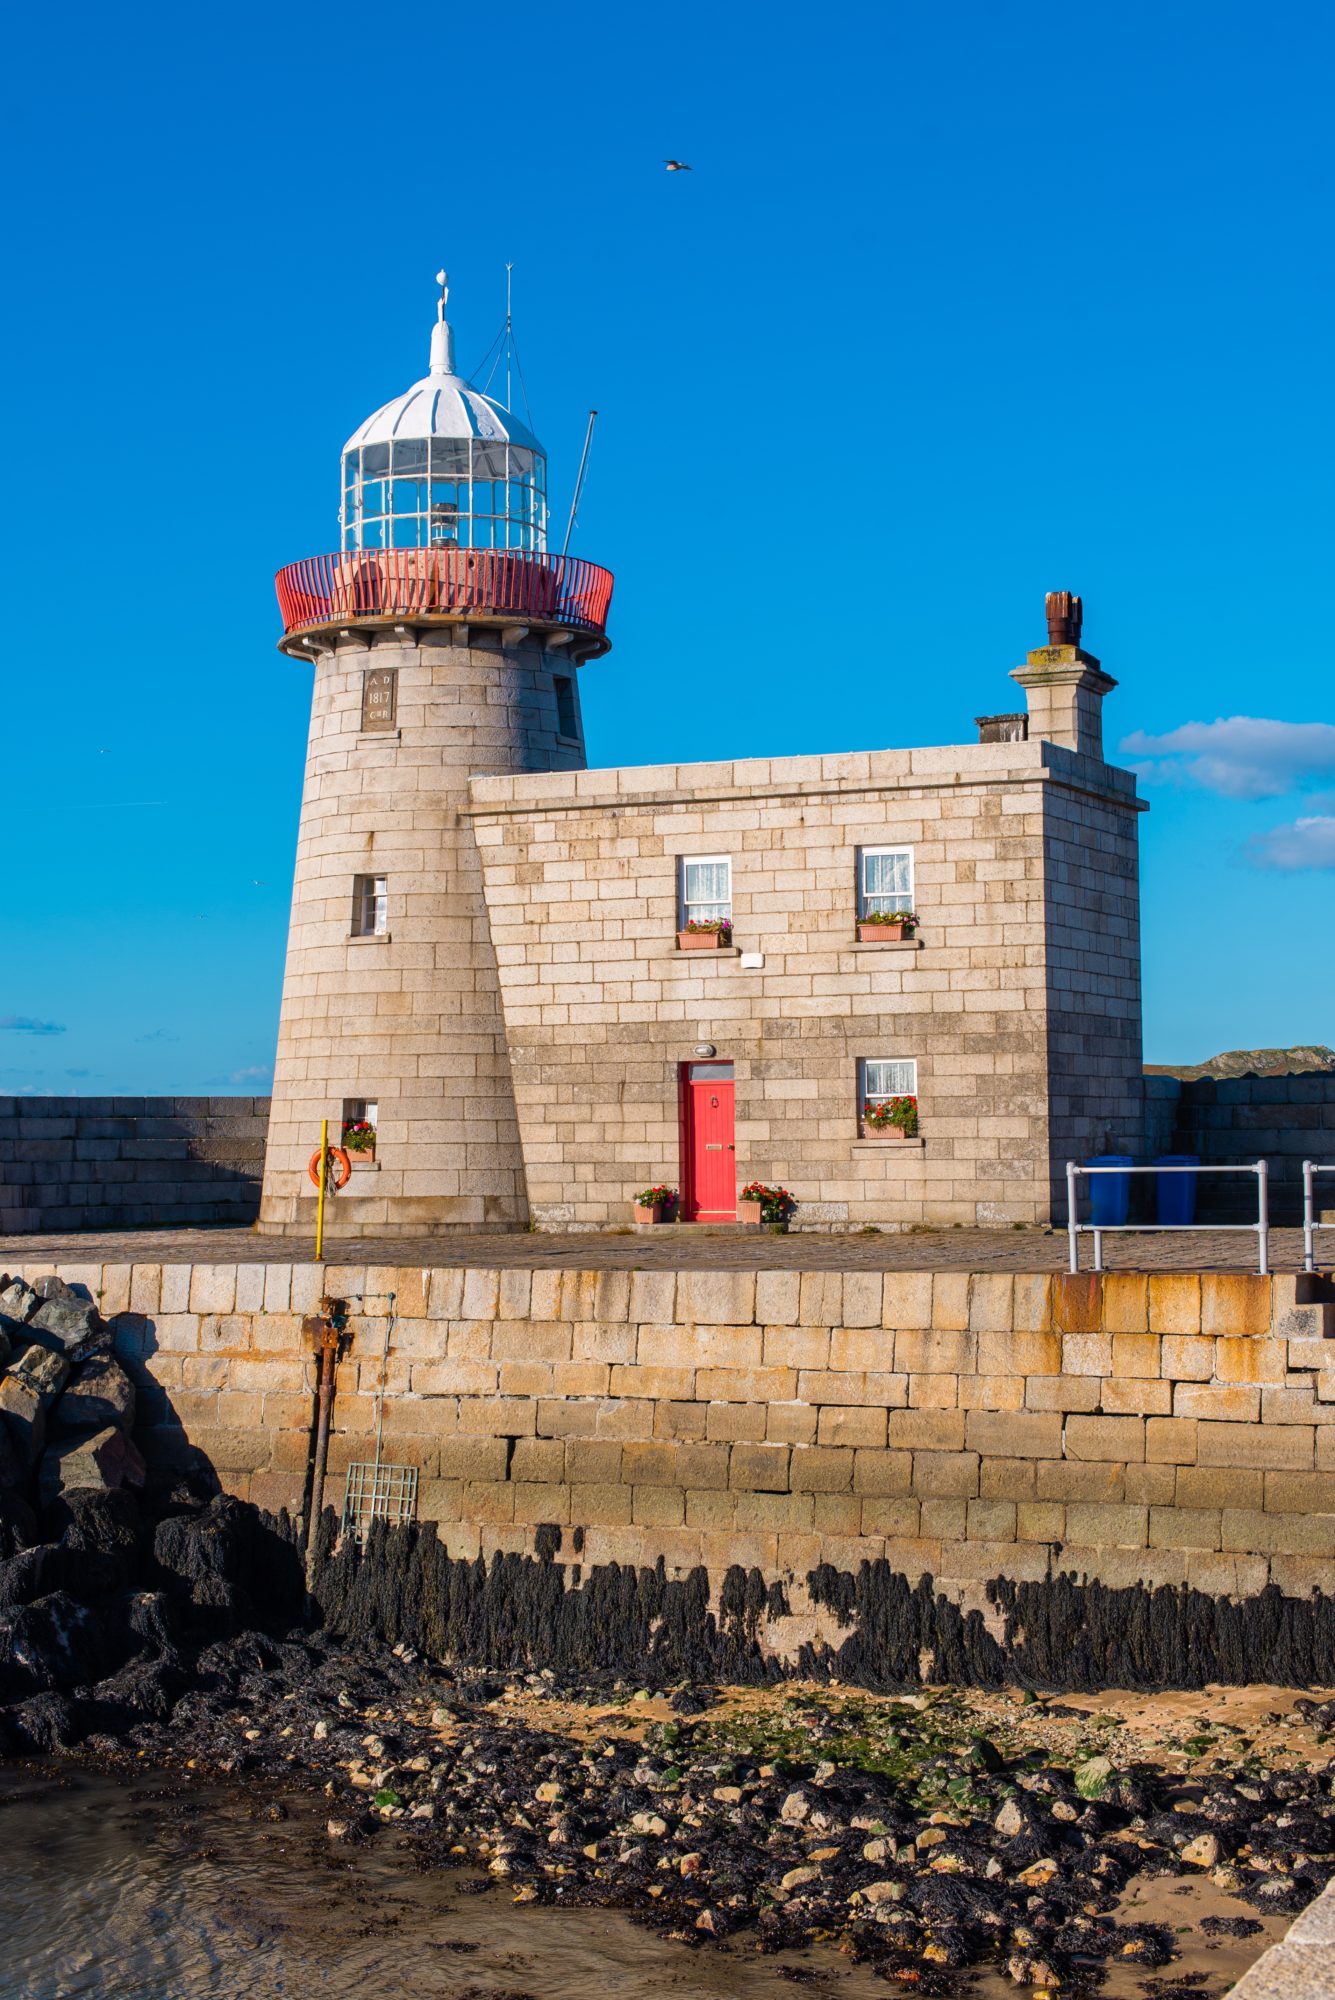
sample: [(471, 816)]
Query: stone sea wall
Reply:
[(1282, 1119), (87, 1163), (1163, 1428)]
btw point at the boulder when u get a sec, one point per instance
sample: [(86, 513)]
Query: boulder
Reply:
[(100, 1393), (41, 1371), (13, 1463), (105, 1461), (227, 1566), (98, 1540), (74, 1322), (18, 1524), (52, 1642), (23, 1420), (18, 1302)]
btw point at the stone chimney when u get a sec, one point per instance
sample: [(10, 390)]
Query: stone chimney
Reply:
[(1064, 686)]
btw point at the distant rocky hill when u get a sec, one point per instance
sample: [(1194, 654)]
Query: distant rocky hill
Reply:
[(1309, 1057)]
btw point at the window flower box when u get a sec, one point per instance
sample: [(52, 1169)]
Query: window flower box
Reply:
[(359, 1139), (653, 1204), (887, 929), (891, 1118), (707, 934)]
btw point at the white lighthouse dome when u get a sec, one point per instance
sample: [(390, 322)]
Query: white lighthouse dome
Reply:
[(443, 464)]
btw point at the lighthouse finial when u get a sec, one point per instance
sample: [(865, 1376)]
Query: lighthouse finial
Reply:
[(442, 340)]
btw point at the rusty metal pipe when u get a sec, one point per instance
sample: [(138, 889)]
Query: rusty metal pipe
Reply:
[(328, 1329)]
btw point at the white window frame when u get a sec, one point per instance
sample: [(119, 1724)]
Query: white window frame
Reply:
[(866, 903), (866, 1095), (370, 906), (719, 908)]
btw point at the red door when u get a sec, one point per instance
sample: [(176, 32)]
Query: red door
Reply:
[(709, 1151)]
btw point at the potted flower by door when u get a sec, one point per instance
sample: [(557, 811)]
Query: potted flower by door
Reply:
[(758, 1203), (705, 934), (890, 1118), (359, 1138), (886, 926), (652, 1204)]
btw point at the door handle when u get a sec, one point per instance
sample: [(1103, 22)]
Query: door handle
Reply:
[(731, 1147)]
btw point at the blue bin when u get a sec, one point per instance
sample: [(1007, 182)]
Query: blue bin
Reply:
[(1175, 1194), (1109, 1194)]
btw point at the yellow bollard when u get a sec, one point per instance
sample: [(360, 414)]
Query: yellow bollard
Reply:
[(324, 1176)]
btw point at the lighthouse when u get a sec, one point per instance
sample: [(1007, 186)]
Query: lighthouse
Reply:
[(445, 642)]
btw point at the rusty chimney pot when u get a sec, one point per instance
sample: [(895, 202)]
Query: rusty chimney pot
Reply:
[(1065, 615)]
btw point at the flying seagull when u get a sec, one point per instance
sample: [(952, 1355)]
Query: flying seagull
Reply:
[(678, 167)]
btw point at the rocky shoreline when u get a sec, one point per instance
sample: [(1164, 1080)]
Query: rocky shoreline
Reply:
[(617, 1741)]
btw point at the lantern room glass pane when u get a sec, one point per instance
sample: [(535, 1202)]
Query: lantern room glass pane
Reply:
[(373, 496), (450, 455), (375, 460), (406, 531), (410, 455)]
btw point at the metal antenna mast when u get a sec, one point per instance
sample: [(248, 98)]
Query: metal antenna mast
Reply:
[(579, 481), (509, 330)]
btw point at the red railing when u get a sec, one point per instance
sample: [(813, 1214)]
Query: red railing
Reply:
[(382, 583)]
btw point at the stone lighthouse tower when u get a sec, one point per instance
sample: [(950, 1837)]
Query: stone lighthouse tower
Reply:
[(444, 640)]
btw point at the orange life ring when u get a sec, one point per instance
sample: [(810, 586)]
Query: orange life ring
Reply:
[(340, 1168)]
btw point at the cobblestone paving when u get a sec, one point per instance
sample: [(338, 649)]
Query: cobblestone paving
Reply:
[(674, 1248)]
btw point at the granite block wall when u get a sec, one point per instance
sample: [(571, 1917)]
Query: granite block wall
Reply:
[(1170, 1428), (1282, 1119), (86, 1163)]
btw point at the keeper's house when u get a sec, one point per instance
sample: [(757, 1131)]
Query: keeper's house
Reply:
[(493, 986)]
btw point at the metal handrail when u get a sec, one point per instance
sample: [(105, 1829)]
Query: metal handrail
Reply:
[(1076, 1229), (1311, 1168), (371, 583)]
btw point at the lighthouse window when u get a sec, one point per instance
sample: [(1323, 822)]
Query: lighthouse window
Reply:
[(706, 889), (410, 455), (370, 906), (375, 460), (567, 723), (885, 880)]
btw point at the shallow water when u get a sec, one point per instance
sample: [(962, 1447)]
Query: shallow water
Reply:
[(161, 1892), (164, 1891)]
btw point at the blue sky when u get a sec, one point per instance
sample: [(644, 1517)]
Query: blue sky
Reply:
[(961, 303)]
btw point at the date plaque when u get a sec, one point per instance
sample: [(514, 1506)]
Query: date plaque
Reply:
[(380, 697)]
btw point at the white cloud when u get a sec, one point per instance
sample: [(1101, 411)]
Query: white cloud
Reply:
[(1303, 843), (1242, 756)]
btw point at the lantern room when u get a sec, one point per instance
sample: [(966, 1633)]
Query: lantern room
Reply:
[(443, 466)]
